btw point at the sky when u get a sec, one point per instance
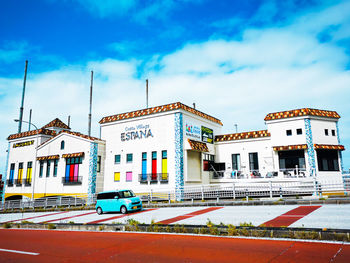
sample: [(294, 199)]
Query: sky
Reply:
[(237, 60)]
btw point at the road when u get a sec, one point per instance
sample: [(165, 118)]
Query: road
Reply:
[(72, 246), (312, 216)]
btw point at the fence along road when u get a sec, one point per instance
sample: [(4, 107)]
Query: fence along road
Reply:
[(235, 190)]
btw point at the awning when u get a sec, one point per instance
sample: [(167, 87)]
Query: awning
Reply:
[(70, 155), (49, 157), (290, 147), (329, 147), (198, 146)]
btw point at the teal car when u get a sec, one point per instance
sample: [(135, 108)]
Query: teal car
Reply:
[(123, 201)]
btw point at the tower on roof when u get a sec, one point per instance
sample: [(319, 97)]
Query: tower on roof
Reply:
[(57, 125)]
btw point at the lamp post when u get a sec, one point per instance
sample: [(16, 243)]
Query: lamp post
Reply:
[(36, 153)]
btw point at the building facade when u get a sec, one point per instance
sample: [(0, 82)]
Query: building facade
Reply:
[(171, 146)]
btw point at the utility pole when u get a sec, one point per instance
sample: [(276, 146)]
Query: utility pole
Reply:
[(92, 77), (21, 109), (146, 93), (30, 119)]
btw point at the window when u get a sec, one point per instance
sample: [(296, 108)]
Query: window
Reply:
[(289, 132), (20, 173), (29, 172), (129, 158), (98, 164), (62, 145), (144, 167), (129, 176), (291, 159), (48, 164), (299, 131), (55, 165), (72, 169), (164, 165), (327, 160), (253, 161), (12, 171), (207, 158), (117, 159), (326, 132), (154, 166), (333, 132), (41, 169), (117, 177), (236, 162)]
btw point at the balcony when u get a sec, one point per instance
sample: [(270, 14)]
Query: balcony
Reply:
[(9, 182), (72, 181), (153, 178), (18, 182), (27, 182)]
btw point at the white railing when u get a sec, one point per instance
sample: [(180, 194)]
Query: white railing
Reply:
[(234, 190)]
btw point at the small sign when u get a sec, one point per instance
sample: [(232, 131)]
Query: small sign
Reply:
[(22, 144), (207, 135)]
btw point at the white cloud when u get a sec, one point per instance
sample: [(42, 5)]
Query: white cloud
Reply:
[(239, 82)]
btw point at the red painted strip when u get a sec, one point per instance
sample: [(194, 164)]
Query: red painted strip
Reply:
[(196, 213), (36, 217), (68, 217), (120, 216), (291, 216)]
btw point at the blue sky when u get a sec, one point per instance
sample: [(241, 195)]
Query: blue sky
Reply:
[(237, 60)]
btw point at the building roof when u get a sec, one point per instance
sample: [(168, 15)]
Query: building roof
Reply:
[(242, 136), (31, 133), (57, 123), (301, 112), (158, 109)]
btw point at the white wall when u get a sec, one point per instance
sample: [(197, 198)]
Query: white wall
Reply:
[(162, 127), (262, 146), (318, 131)]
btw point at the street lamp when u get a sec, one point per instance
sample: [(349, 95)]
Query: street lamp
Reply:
[(36, 153)]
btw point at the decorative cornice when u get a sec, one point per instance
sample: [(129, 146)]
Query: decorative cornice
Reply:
[(290, 147), (31, 133), (198, 146), (242, 136), (329, 147)]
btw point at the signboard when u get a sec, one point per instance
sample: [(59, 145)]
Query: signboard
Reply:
[(193, 131), (207, 135), (22, 144), (136, 132)]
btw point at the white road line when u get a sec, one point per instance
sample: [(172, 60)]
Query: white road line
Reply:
[(19, 252)]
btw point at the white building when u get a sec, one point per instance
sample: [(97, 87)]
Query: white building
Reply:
[(171, 146), (53, 161)]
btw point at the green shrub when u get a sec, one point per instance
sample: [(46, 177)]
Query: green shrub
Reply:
[(232, 231), (7, 225), (51, 226), (246, 224)]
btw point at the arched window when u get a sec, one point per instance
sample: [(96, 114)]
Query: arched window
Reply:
[(62, 145)]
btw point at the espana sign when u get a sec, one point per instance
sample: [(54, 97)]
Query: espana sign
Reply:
[(136, 132), (22, 144)]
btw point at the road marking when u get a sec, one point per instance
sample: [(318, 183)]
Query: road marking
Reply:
[(189, 215), (19, 252), (22, 219), (291, 216), (120, 216), (68, 217)]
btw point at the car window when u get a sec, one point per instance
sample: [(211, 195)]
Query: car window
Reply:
[(126, 194)]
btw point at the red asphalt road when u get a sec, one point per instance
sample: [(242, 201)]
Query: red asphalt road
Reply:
[(291, 216), (70, 246)]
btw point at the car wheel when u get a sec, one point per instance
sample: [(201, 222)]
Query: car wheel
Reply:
[(123, 210), (99, 210)]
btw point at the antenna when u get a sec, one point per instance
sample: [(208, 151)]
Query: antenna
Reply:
[(21, 109), (236, 127), (68, 120), (194, 105), (147, 93), (92, 78)]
